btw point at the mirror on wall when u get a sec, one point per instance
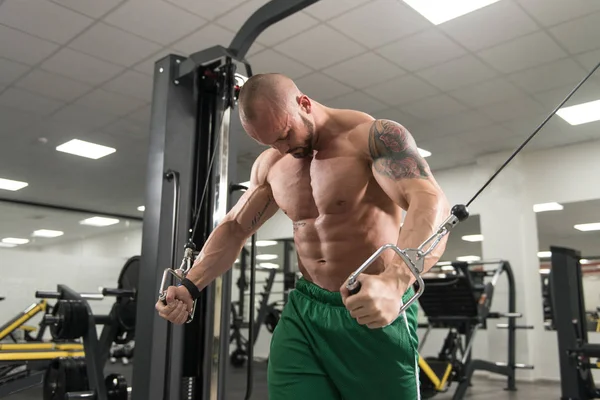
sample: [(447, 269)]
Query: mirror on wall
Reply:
[(577, 226)]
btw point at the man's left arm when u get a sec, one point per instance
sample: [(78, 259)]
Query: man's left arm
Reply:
[(406, 178)]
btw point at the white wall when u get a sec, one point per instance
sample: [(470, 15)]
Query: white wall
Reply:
[(85, 265)]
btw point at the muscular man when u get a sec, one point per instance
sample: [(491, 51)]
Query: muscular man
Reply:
[(343, 178)]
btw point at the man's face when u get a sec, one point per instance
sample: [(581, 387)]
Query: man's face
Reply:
[(287, 131)]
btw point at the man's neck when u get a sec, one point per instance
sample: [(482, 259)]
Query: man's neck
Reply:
[(324, 124)]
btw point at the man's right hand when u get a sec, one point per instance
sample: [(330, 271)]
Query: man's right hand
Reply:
[(179, 305)]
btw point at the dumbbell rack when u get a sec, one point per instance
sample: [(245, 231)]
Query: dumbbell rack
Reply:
[(96, 349)]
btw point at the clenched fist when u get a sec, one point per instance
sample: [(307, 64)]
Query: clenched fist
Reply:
[(179, 305), (378, 302)]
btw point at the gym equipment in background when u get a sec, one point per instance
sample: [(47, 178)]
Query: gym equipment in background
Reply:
[(569, 320), (460, 301), (76, 367)]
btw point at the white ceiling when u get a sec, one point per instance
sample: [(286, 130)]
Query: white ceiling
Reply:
[(83, 69)]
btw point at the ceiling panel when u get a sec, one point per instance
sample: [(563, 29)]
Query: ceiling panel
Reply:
[(357, 101), (29, 102), (365, 70), (147, 66), (549, 76), (83, 118), (291, 26), (133, 84), (512, 109), (422, 50), (440, 106), (552, 12), (43, 19), (327, 47), (209, 36), (109, 102), (92, 8), (234, 19), (271, 61), (13, 121), (590, 60), (11, 70), (379, 22), (114, 45), (24, 48), (464, 121), (590, 91), (327, 9), (407, 120), (321, 87), (207, 9), (488, 92), (402, 90), (579, 35), (155, 20), (52, 85), (490, 26), (82, 67), (517, 54), (456, 73)]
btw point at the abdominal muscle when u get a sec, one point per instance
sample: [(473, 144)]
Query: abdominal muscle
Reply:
[(331, 247)]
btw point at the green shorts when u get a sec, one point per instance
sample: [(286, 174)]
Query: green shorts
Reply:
[(319, 352)]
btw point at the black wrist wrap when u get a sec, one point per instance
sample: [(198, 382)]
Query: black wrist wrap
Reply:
[(193, 289)]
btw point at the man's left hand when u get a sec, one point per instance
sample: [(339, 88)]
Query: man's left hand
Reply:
[(378, 302)]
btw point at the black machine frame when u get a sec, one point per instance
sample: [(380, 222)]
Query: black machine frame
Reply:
[(569, 320), (191, 167)]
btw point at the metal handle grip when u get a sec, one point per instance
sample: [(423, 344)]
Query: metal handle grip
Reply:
[(415, 266)]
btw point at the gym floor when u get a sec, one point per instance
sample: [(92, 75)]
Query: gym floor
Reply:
[(236, 386)]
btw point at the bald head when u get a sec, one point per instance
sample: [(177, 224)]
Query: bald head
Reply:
[(266, 91)]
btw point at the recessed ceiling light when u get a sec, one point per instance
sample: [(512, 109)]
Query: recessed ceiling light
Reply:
[(547, 207), (424, 153), (85, 149), (265, 243), (544, 254), (266, 257), (99, 221), (468, 258), (11, 240), (440, 11), (141, 208), (544, 271), (7, 184), (268, 265), (473, 238), (581, 113), (595, 226), (584, 261), (47, 233)]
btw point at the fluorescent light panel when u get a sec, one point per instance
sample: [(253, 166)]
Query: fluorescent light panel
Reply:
[(544, 271), (99, 221), (85, 149), (11, 240), (7, 184), (473, 238), (440, 11), (594, 226), (547, 207), (265, 243), (141, 208), (468, 258), (268, 265), (544, 254), (47, 233), (266, 257), (581, 113), (424, 153)]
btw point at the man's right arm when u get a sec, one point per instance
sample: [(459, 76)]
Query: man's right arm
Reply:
[(225, 242)]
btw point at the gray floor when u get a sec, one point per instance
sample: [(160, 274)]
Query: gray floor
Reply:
[(236, 385)]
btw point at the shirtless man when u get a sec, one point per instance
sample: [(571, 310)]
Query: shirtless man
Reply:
[(343, 178)]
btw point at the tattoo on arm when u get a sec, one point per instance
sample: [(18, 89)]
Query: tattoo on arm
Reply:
[(257, 218), (394, 152), (298, 225)]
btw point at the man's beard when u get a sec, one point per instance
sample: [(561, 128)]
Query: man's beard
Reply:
[(307, 149)]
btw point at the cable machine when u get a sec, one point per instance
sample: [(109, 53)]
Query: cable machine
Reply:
[(191, 166)]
